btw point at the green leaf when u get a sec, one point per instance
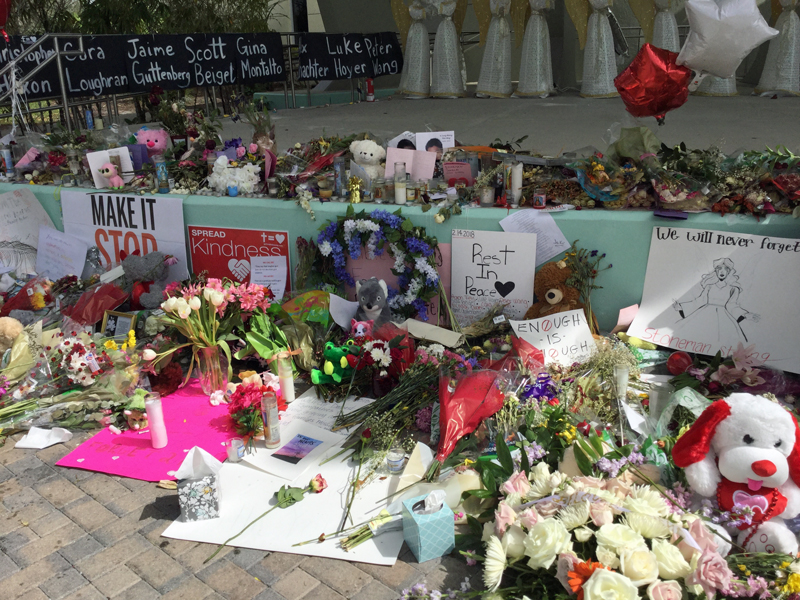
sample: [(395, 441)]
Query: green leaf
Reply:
[(407, 225), (596, 442), (584, 464), (474, 525), (480, 493), (350, 211), (489, 482), (525, 463), (425, 207), (297, 494), (504, 455)]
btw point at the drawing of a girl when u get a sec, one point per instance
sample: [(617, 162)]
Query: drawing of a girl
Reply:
[(715, 313)]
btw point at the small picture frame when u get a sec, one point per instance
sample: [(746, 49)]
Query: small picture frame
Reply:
[(116, 325)]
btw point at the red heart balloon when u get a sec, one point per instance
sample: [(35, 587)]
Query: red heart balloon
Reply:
[(678, 362), (5, 10), (653, 83)]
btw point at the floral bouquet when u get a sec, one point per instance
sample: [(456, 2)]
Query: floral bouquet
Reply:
[(373, 234), (208, 315)]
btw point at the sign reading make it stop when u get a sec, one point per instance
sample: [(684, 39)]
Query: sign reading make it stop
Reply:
[(226, 253)]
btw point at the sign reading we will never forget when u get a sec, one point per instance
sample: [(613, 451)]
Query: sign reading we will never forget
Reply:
[(118, 223), (709, 291), (565, 338)]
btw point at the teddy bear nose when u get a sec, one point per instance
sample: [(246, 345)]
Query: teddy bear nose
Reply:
[(763, 468)]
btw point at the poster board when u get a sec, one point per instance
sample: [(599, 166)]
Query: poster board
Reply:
[(348, 55), (21, 216), (707, 291), (117, 222), (228, 252), (490, 267), (59, 254), (564, 338)]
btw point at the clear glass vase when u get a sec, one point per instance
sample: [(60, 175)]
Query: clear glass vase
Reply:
[(212, 369)]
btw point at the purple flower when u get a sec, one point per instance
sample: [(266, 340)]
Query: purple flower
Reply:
[(416, 245), (389, 219), (593, 253), (422, 310), (423, 419)]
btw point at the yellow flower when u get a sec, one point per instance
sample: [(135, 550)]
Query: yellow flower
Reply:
[(37, 301), (792, 584), (131, 338), (683, 430), (124, 347), (111, 345)]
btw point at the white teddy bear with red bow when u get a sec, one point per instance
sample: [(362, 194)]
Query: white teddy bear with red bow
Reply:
[(744, 451)]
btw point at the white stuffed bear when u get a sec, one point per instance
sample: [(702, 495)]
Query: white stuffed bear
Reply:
[(743, 450), (368, 155)]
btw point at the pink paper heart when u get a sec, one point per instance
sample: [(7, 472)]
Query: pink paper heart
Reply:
[(756, 502)]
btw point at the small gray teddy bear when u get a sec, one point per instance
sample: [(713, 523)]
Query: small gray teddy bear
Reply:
[(150, 267), (373, 301)]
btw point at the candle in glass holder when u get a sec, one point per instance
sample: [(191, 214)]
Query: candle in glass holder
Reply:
[(269, 414), (155, 419), (399, 183), (286, 378)]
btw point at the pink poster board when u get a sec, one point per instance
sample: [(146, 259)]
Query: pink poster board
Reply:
[(381, 267), (191, 421)]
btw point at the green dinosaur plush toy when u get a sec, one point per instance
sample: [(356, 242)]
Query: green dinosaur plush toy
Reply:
[(336, 366)]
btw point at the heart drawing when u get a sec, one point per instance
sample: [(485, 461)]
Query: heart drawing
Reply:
[(280, 237), (504, 289), (240, 268), (755, 502)]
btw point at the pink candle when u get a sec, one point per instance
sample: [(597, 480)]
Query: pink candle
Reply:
[(155, 418)]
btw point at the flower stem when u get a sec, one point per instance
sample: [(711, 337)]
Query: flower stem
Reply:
[(226, 542)]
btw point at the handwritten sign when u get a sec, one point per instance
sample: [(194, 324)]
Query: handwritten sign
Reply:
[(491, 267), (309, 409), (59, 254), (116, 223), (707, 291), (21, 215), (118, 64), (457, 171), (564, 337), (349, 55), (550, 241), (270, 271)]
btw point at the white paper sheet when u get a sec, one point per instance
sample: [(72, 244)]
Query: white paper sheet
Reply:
[(297, 438), (59, 254), (271, 271), (432, 333), (21, 215), (246, 492), (550, 241), (38, 438), (310, 409), (342, 311), (357, 170)]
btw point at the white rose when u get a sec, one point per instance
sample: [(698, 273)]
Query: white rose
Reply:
[(514, 542), (149, 354), (640, 566), (619, 537), (546, 540), (194, 303), (608, 585), (583, 534), (671, 564), (540, 472), (607, 556), (439, 218)]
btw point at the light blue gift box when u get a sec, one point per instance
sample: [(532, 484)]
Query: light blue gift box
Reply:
[(428, 536)]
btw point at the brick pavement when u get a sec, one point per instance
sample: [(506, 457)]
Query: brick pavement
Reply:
[(67, 534)]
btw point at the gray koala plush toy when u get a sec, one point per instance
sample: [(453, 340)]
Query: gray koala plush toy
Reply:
[(373, 302)]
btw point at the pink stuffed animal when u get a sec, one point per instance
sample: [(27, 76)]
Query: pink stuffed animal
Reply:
[(109, 171), (360, 329), (154, 139)]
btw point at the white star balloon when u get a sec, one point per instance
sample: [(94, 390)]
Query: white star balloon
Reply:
[(722, 33)]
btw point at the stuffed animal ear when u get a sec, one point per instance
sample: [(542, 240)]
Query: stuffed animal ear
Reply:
[(384, 287), (358, 285), (353, 323), (695, 444), (794, 457)]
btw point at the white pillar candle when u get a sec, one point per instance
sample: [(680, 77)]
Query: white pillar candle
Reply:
[(155, 418)]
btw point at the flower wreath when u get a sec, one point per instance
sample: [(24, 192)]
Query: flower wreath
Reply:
[(412, 250)]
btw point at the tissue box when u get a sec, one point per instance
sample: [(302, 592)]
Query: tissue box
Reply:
[(198, 498), (428, 536)]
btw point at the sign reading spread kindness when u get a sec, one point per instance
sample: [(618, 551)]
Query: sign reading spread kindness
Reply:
[(118, 223), (709, 291), (491, 267), (564, 337)]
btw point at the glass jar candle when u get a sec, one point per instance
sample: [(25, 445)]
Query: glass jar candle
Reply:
[(269, 414), (272, 187), (400, 183), (378, 189)]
